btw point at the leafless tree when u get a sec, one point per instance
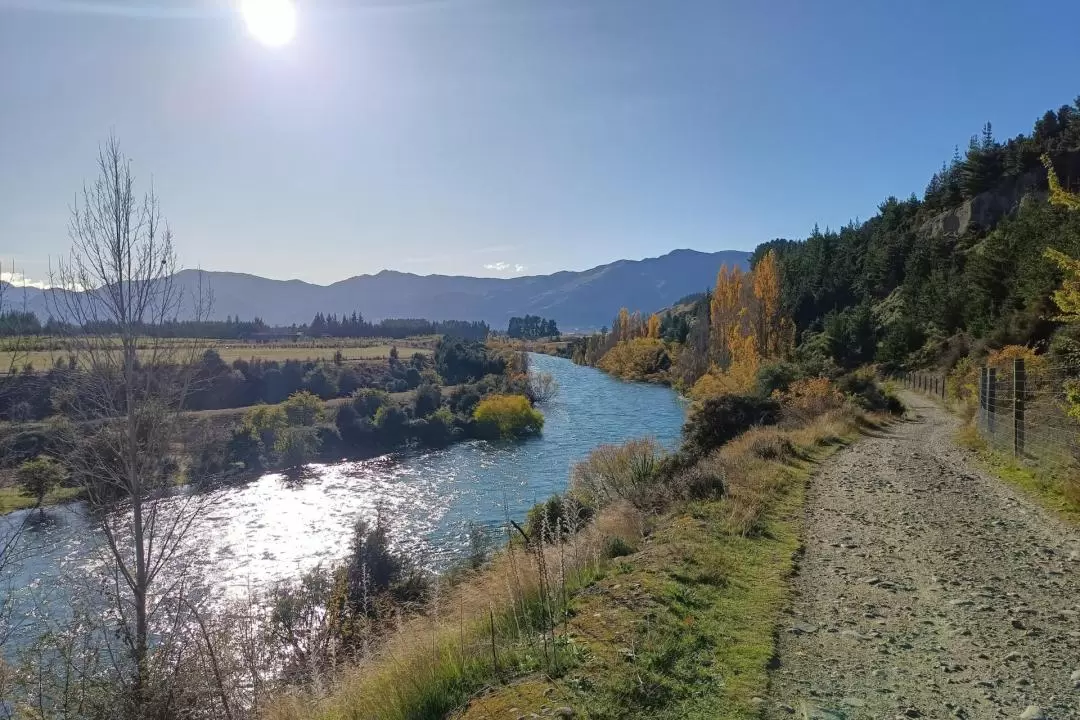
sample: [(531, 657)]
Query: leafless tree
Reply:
[(543, 387), (119, 284)]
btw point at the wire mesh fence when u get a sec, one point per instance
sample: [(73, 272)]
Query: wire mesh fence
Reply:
[(1030, 410)]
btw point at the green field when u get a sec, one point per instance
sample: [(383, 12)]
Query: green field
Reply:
[(44, 353)]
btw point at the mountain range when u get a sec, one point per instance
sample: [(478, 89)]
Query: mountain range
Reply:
[(581, 300)]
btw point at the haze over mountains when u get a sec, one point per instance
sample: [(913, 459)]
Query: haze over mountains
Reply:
[(587, 299)]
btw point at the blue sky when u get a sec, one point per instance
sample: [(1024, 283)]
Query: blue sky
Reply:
[(500, 137)]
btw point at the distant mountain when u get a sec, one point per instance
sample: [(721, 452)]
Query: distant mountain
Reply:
[(577, 300)]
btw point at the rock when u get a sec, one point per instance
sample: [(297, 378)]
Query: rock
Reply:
[(565, 712), (1033, 712), (1075, 678), (803, 628), (912, 713), (854, 702)]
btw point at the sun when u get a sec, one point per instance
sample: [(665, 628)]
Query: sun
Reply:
[(272, 22)]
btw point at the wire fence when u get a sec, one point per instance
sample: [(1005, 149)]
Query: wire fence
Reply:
[(1030, 410)]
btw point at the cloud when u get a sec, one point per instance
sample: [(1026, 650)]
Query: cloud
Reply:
[(505, 267), (19, 280)]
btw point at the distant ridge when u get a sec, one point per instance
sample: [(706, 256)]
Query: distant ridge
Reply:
[(583, 300)]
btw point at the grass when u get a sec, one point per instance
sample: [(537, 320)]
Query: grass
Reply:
[(685, 627), (1060, 494), (682, 627), (42, 354), (12, 498)]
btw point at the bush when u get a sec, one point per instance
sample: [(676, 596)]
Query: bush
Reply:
[(868, 395), (556, 519), (610, 472), (367, 402), (297, 446), (507, 416), (717, 420), (427, 400), (774, 377), (391, 423), (38, 476), (303, 408), (637, 359), (806, 399), (616, 547)]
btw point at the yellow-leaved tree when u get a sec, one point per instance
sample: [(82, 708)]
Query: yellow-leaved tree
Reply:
[(1058, 194), (653, 330), (768, 323), (724, 310)]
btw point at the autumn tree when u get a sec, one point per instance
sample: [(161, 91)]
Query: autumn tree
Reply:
[(653, 330), (768, 321), (724, 313)]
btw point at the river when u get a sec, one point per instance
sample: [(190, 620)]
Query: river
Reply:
[(269, 529)]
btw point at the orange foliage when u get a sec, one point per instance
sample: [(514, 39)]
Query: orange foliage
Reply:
[(810, 397)]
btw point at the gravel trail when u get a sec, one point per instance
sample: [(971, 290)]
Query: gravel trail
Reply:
[(928, 589)]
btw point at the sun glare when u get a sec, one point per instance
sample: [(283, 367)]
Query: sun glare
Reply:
[(272, 22)]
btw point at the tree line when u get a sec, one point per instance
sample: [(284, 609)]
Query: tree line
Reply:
[(15, 323), (532, 327)]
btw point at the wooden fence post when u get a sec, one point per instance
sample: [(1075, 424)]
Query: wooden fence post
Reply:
[(1019, 388), (991, 400), (944, 381)]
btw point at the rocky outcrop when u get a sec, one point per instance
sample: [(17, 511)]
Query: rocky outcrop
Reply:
[(987, 209)]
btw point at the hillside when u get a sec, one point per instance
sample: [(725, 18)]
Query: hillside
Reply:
[(925, 281), (577, 300)]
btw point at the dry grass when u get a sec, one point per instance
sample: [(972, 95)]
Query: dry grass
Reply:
[(44, 352), (433, 663), (680, 627)]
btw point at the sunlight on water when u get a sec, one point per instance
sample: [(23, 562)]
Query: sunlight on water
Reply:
[(272, 528)]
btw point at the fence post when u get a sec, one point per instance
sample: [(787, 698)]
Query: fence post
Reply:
[(991, 400), (1019, 388), (982, 398), (944, 381)]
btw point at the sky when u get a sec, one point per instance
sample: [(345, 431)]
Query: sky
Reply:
[(504, 137)]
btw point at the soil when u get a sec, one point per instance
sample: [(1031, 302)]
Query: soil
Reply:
[(928, 588)]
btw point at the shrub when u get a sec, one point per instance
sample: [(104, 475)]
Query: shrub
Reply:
[(774, 377), (303, 408), (610, 472), (556, 519), (391, 422), (367, 402), (507, 416), (719, 419), (321, 383), (297, 446), (806, 399), (38, 476), (616, 547), (427, 400), (868, 395), (637, 359)]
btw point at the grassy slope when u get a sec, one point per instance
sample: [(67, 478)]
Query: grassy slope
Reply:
[(681, 628), (684, 628)]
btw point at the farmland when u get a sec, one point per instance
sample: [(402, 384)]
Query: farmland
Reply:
[(42, 352)]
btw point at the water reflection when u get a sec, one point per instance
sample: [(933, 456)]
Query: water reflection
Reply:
[(274, 527)]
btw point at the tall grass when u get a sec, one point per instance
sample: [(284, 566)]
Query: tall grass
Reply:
[(490, 626)]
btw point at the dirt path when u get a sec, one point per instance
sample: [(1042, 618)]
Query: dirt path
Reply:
[(928, 589)]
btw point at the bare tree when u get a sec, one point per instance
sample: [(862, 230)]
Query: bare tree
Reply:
[(115, 289)]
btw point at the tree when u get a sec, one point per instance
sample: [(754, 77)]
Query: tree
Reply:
[(1059, 195), (652, 329), (304, 409), (118, 281), (38, 476), (724, 310)]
